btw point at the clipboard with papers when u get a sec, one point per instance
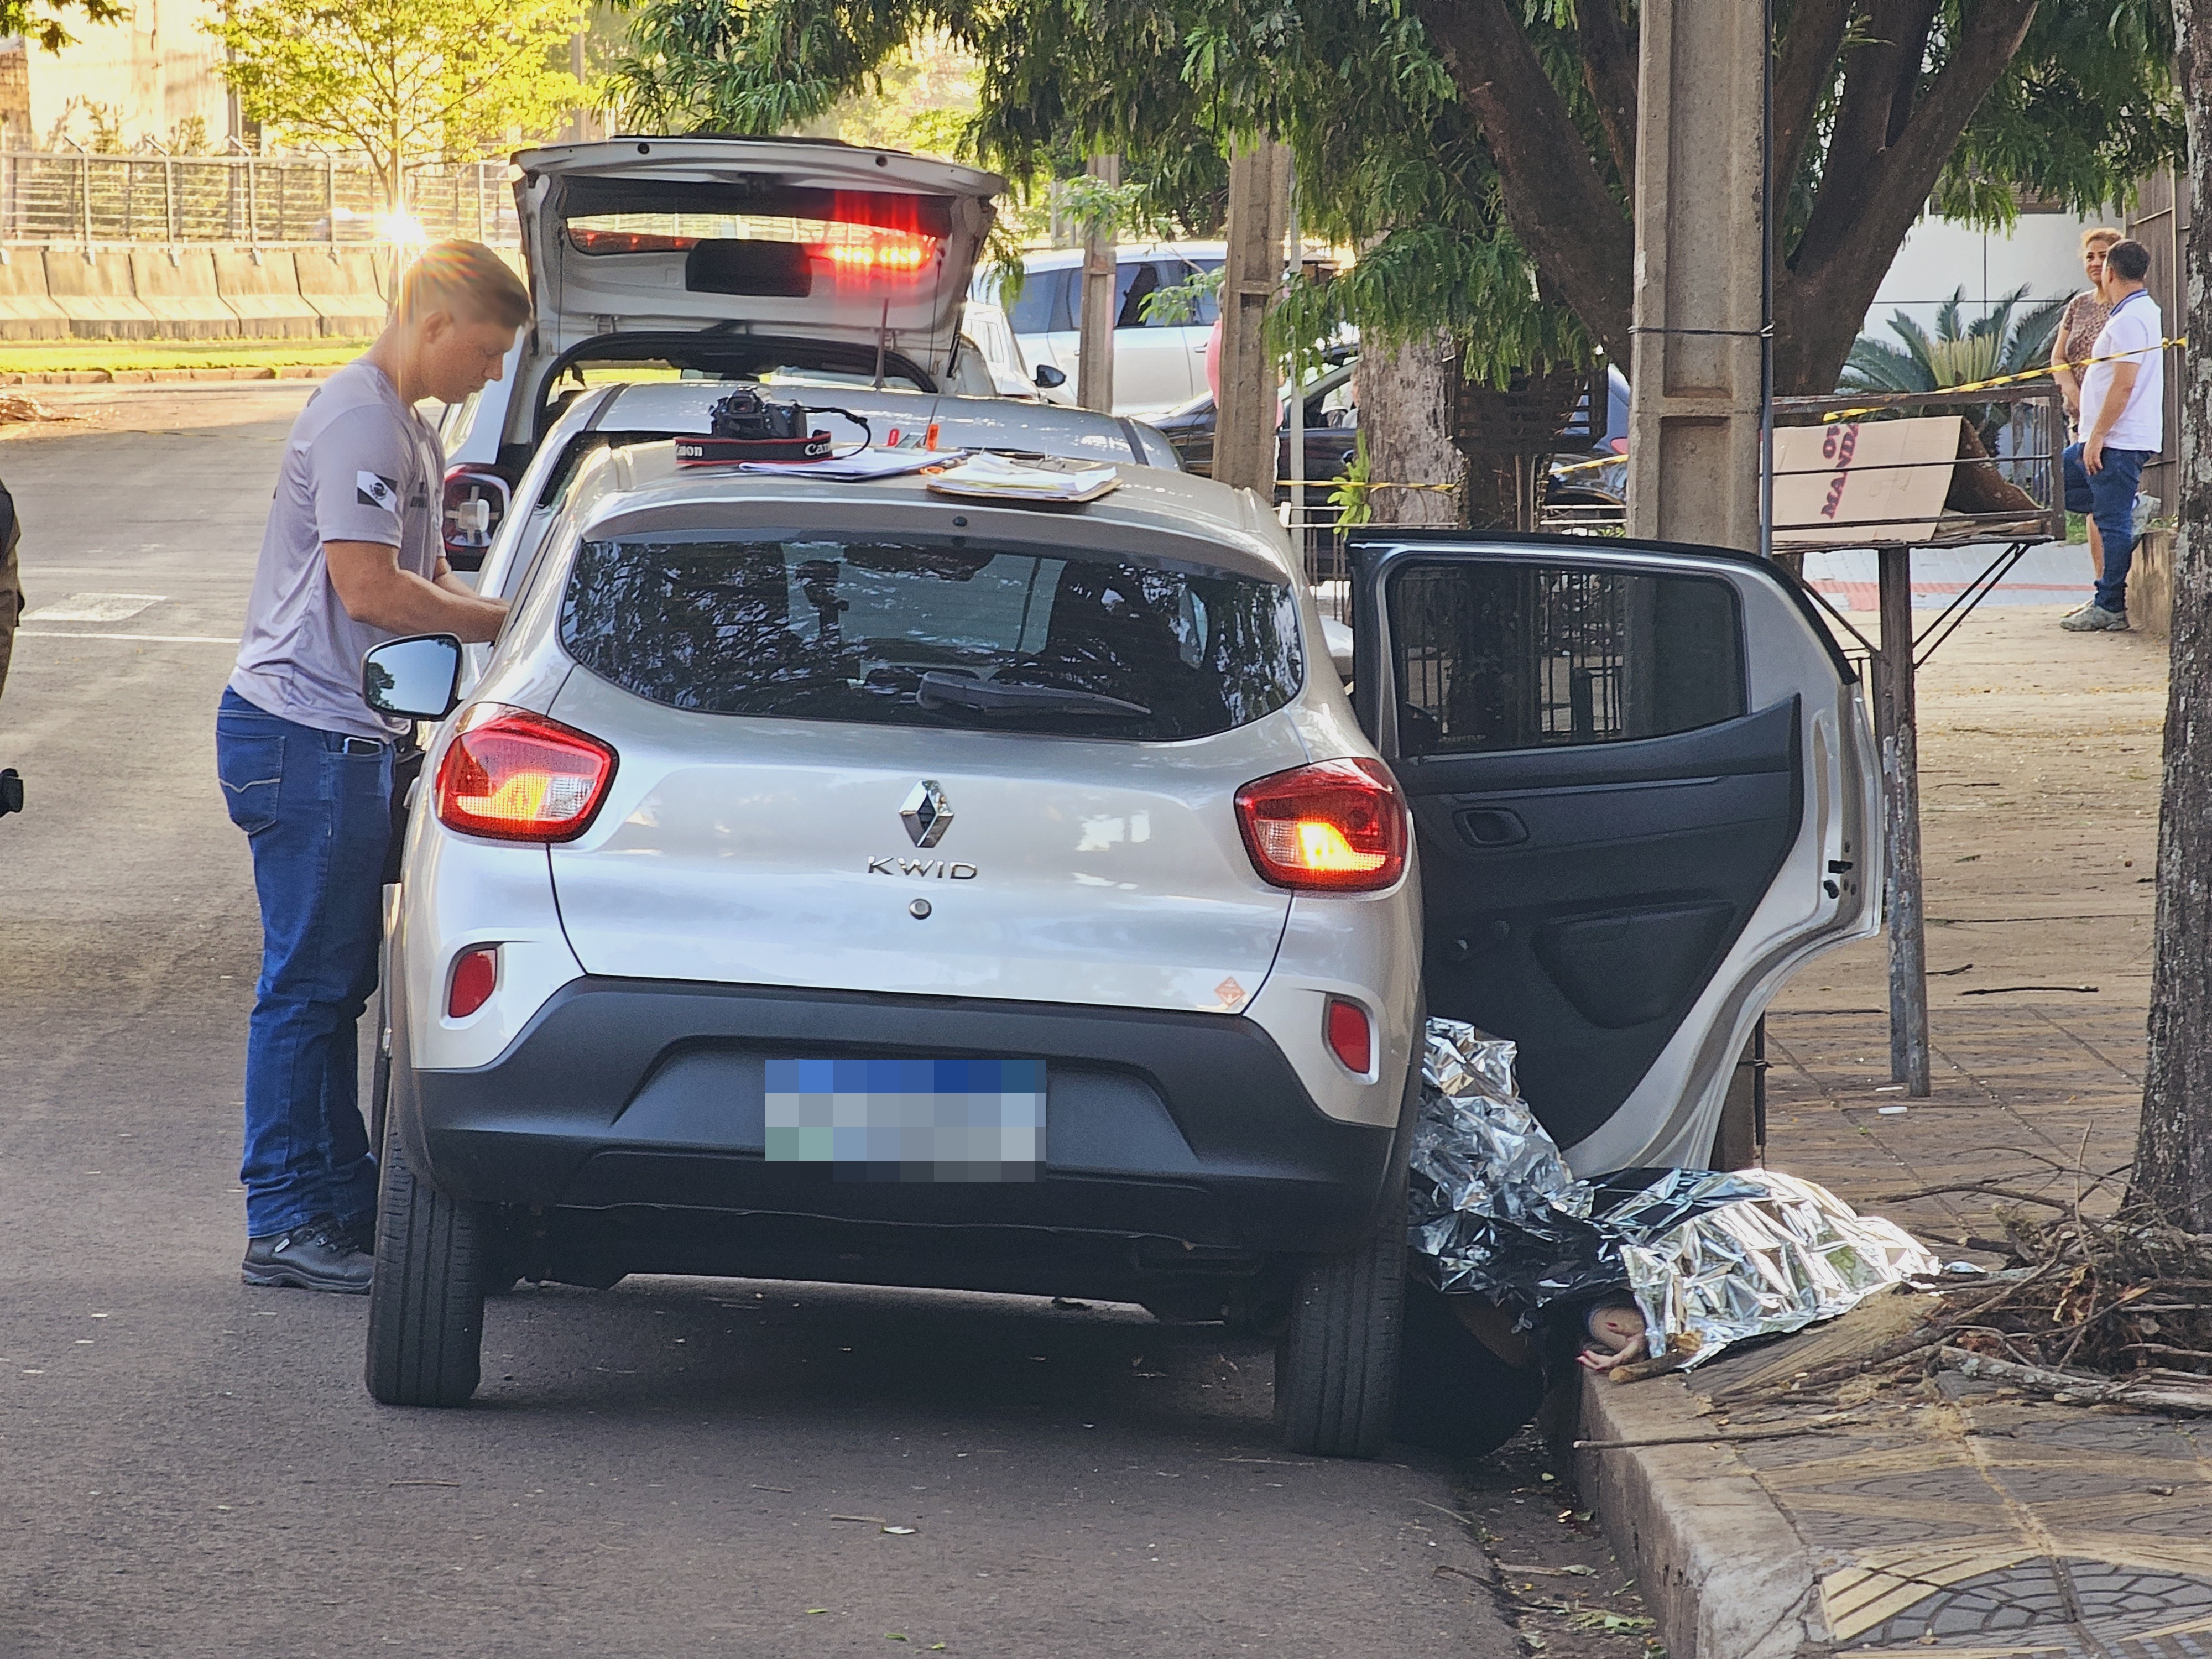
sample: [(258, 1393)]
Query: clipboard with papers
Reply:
[(1033, 480)]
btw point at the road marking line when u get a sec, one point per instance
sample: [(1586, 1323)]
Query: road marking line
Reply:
[(92, 608), (157, 639)]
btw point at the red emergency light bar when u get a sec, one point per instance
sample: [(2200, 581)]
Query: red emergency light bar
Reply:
[(893, 251), (878, 253)]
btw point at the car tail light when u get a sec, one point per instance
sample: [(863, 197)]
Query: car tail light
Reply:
[(1351, 1034), (880, 252), (476, 977), (514, 776), (1337, 826), (476, 504)]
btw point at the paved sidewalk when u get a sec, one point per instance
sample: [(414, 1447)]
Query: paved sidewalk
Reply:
[(2039, 770), (1955, 1517)]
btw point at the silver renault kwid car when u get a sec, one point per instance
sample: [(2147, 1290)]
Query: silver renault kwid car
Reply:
[(838, 881)]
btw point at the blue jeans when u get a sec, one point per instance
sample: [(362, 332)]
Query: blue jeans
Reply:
[(316, 809), (2109, 497)]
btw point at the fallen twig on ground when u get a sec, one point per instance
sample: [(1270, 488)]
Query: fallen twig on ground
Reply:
[(2185, 1393)]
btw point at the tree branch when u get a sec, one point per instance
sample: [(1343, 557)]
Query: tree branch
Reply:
[(1801, 75), (1879, 76), (1912, 52), (1609, 71), (1576, 235), (1865, 209)]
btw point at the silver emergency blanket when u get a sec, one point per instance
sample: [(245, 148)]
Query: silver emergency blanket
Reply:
[(1709, 1257)]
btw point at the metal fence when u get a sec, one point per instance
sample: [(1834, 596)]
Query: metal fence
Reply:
[(76, 196)]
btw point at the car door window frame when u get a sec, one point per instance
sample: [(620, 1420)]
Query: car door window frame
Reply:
[(1636, 668), (1370, 572)]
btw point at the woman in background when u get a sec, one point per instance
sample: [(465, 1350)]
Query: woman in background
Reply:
[(2078, 328)]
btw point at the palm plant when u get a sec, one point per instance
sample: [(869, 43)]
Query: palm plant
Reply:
[(1959, 353)]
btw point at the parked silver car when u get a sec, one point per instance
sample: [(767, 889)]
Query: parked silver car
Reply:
[(836, 880)]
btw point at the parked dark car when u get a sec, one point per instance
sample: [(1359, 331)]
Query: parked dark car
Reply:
[(1594, 477), (1332, 429)]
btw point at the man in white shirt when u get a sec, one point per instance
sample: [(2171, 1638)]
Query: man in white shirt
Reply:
[(2122, 405)]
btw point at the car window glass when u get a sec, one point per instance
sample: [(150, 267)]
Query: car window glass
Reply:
[(1134, 282), (1043, 305), (1206, 305), (844, 629), (1499, 655)]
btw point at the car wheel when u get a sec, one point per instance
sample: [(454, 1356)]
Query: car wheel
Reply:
[(426, 1306), (1336, 1362)]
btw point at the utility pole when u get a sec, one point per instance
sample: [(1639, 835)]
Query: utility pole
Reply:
[(1697, 367), (1259, 215), (1094, 340)]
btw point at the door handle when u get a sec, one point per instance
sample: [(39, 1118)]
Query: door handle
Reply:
[(1492, 826)]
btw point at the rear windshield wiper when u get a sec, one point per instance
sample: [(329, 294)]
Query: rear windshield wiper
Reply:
[(943, 691)]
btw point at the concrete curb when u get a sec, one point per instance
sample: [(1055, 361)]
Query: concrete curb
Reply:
[(1717, 1561)]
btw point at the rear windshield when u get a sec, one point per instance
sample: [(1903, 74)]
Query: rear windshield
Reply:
[(937, 633)]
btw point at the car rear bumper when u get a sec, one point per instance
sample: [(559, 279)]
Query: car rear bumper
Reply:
[(1190, 1132)]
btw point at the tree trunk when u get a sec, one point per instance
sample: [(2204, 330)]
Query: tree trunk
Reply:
[(1405, 416), (2174, 1147)]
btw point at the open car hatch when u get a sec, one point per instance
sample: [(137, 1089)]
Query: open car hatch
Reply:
[(796, 238)]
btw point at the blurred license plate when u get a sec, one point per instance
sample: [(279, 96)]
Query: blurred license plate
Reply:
[(908, 1120)]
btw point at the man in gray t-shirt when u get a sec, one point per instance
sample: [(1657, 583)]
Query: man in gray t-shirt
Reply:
[(353, 557), (362, 467)]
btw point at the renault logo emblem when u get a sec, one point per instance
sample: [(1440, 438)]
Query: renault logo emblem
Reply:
[(927, 815)]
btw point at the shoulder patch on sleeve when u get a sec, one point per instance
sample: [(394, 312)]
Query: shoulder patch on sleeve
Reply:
[(375, 490)]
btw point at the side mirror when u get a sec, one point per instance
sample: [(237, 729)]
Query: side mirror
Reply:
[(417, 678), (475, 505), (1048, 377), (11, 791)]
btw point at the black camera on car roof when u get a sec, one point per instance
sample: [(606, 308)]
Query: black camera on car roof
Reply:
[(746, 413), (746, 426)]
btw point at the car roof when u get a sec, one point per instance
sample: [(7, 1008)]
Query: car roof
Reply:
[(1059, 258), (1001, 423), (643, 486)]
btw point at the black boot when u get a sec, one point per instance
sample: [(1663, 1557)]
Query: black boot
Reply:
[(316, 1255)]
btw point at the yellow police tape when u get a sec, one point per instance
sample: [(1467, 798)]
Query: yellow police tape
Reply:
[(1839, 415), (2009, 379)]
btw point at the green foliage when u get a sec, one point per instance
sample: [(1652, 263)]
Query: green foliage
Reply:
[(401, 79), (1960, 352), (2090, 108), (46, 21), (1352, 498), (921, 99)]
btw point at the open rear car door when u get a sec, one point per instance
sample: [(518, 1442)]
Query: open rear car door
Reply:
[(1643, 790)]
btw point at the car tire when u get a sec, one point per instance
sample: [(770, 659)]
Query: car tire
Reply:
[(1336, 1362), (426, 1306)]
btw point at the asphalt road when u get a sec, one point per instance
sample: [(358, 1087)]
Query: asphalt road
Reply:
[(191, 1467)]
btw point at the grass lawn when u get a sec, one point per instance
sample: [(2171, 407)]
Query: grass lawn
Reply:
[(49, 357)]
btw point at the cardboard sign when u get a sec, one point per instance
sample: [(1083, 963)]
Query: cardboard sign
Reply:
[(1853, 484)]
